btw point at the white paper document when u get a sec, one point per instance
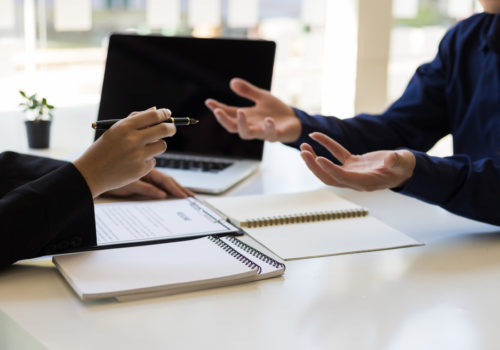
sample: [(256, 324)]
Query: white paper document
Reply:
[(124, 222)]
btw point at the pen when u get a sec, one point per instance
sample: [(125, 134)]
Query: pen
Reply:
[(106, 124)]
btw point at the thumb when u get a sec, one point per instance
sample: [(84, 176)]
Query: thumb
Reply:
[(392, 160), (246, 89), (270, 129)]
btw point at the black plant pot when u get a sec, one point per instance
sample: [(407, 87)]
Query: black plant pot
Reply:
[(38, 132)]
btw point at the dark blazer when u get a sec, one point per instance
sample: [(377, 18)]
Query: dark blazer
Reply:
[(45, 207)]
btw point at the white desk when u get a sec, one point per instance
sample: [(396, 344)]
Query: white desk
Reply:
[(440, 296)]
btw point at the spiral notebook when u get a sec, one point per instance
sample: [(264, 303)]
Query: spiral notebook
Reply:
[(164, 269), (287, 208), (309, 224)]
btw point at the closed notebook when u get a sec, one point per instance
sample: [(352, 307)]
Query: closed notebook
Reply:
[(269, 267), (310, 224), (159, 269)]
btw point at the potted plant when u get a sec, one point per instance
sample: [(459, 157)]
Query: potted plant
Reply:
[(39, 117)]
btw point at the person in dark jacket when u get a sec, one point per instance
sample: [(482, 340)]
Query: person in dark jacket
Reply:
[(46, 205)]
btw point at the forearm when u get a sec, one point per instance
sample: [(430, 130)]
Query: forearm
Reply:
[(49, 215), (463, 187), (18, 169), (367, 133)]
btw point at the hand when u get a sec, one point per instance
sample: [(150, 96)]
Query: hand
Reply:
[(155, 185), (368, 172), (269, 119), (125, 152)]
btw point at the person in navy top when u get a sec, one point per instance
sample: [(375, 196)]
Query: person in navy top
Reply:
[(458, 93)]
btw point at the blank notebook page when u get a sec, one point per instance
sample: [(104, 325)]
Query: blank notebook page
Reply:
[(330, 238)]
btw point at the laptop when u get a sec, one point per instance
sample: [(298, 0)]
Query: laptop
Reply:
[(180, 73)]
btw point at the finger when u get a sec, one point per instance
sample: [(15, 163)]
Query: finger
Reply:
[(307, 147), (213, 105), (245, 89), (157, 132), (270, 132), (149, 165), (309, 159), (332, 146), (167, 183), (147, 189), (227, 122), (244, 129), (148, 118), (154, 149), (186, 190), (137, 112)]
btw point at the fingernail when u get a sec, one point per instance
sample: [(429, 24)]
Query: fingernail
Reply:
[(152, 108)]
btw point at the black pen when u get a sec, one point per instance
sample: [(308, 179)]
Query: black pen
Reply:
[(106, 124)]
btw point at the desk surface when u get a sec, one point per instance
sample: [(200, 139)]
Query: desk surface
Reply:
[(440, 296)]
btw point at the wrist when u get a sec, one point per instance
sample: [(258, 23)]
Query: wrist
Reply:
[(295, 128), (407, 166), (90, 179)]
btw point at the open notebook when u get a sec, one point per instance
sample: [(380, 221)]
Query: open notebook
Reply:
[(164, 269), (309, 224)]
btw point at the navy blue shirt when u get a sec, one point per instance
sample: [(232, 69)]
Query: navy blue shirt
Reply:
[(458, 93)]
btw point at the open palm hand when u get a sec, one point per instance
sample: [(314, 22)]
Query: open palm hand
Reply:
[(367, 172)]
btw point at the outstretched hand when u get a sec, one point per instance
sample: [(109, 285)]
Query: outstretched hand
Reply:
[(367, 172), (268, 119)]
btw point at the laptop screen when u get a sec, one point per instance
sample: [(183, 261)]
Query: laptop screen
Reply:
[(179, 73)]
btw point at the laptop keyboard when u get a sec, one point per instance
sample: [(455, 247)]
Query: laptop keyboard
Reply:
[(190, 164)]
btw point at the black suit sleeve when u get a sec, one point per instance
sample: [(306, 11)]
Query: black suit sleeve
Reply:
[(45, 207)]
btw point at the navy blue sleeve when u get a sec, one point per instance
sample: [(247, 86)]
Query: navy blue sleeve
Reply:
[(464, 187), (51, 214), (417, 120)]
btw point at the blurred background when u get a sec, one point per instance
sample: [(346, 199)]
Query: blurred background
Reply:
[(337, 57)]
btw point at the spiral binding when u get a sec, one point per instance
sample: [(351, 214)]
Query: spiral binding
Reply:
[(254, 252), (227, 248), (305, 217)]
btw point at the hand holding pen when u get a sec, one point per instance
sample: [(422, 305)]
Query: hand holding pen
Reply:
[(106, 124), (126, 152)]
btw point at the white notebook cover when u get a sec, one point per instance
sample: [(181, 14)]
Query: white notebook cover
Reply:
[(176, 266)]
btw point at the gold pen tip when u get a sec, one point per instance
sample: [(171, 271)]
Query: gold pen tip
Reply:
[(94, 125), (193, 121)]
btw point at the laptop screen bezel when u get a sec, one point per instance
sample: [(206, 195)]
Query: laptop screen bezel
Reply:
[(268, 50)]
